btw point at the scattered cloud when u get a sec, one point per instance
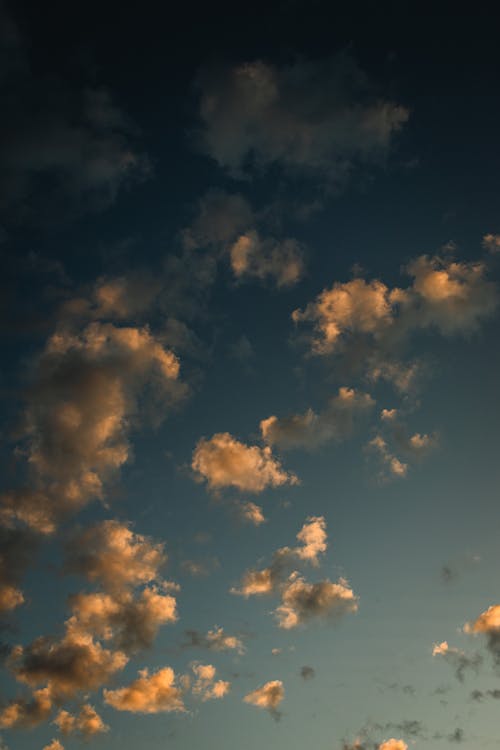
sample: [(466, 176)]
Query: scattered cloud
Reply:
[(87, 722), (223, 461), (488, 623), (215, 640), (307, 673), (206, 686), (458, 659), (269, 697), (257, 115), (251, 256), (310, 430), (249, 512), (491, 243), (303, 601), (148, 694)]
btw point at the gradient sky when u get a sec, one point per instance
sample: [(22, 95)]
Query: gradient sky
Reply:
[(249, 318)]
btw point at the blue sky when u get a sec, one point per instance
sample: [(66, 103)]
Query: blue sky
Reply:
[(249, 317)]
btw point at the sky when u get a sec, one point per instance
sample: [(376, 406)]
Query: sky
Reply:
[(249, 310)]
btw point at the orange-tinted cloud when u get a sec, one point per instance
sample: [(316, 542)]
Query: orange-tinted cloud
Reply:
[(148, 694), (268, 696), (87, 722), (223, 461), (302, 601)]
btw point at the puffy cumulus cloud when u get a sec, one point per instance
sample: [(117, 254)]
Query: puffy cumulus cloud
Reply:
[(215, 640), (355, 307), (269, 697), (313, 542), (310, 430), (488, 623), (65, 149), (75, 663), (256, 583), (450, 296), (491, 243), (393, 744), (87, 722), (249, 512), (24, 714), (205, 685), (226, 226), (223, 461), (54, 745), (251, 256), (148, 694), (79, 413), (303, 601), (458, 659), (112, 554), (317, 117), (17, 548), (114, 297), (131, 623)]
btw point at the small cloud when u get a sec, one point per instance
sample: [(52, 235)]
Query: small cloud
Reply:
[(269, 697), (148, 694), (307, 673)]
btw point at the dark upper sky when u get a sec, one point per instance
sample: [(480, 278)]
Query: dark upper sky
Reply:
[(249, 323)]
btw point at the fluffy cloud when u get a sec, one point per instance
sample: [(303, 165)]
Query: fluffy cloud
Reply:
[(249, 512), (451, 296), (54, 745), (227, 227), (251, 256), (148, 694), (303, 601), (491, 243), (25, 714), (206, 686), (79, 413), (394, 467), (112, 554), (393, 744), (313, 542), (488, 623), (75, 663), (317, 117), (458, 659), (269, 697), (87, 722), (215, 640), (223, 461), (310, 430)]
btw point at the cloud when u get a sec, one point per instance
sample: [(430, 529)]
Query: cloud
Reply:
[(317, 118), (488, 623), (310, 430), (491, 243), (252, 256), (148, 694), (393, 744), (111, 554), (66, 150), (228, 229), (249, 512), (82, 403), (449, 296), (303, 601), (392, 465), (307, 673), (23, 714), (75, 663), (269, 696), (215, 640), (223, 461), (459, 660), (17, 548), (54, 745), (87, 722), (206, 686), (130, 623), (313, 542)]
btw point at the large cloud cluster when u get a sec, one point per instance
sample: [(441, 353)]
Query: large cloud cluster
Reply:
[(80, 409)]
